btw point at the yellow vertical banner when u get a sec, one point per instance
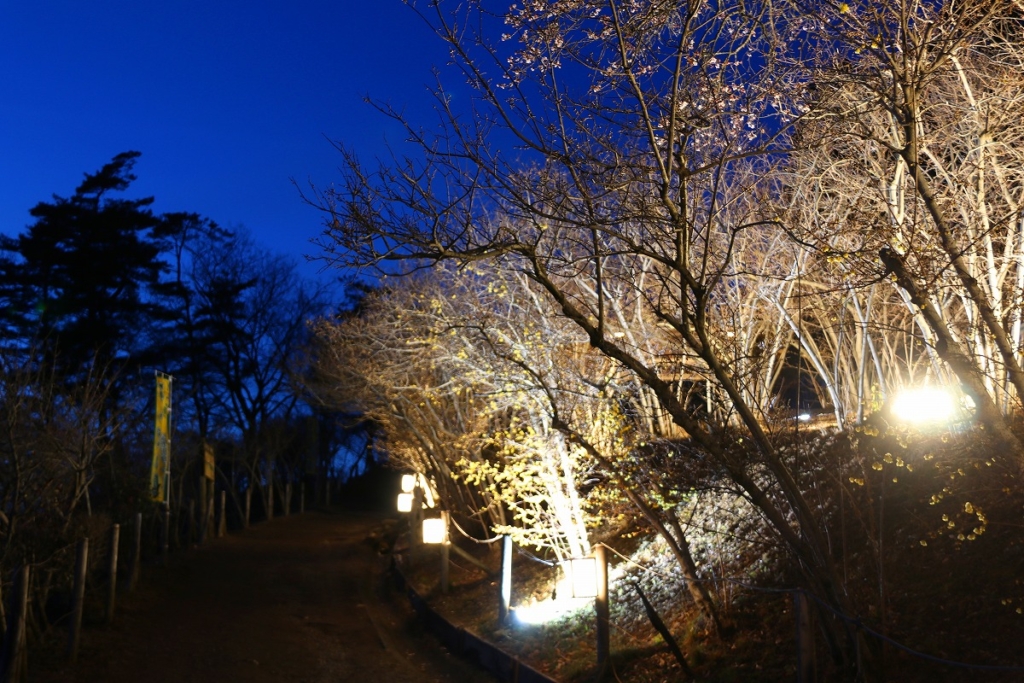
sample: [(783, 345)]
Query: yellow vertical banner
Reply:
[(209, 469), (160, 472)]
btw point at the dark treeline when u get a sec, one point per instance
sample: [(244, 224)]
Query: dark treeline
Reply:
[(98, 293)]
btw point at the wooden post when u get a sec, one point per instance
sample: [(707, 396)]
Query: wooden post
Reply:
[(302, 498), (248, 505), (24, 594), (202, 530), (191, 522), (287, 498), (601, 607), (416, 535), (505, 586), (222, 527), (204, 522), (12, 660), (176, 526), (270, 499), (166, 535), (806, 666), (445, 555), (136, 554), (4, 623), (208, 493), (81, 566), (211, 522), (115, 538)]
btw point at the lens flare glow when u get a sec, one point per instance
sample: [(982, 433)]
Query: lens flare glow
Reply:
[(926, 405)]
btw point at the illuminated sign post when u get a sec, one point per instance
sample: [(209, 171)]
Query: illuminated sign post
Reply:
[(588, 578), (601, 606), (416, 492), (410, 500), (582, 575), (406, 498), (435, 532)]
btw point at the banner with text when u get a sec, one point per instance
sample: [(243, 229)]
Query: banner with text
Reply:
[(209, 466), (160, 473)]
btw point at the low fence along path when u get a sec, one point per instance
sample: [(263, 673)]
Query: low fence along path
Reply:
[(298, 599)]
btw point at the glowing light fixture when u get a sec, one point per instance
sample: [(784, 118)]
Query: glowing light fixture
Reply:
[(804, 417), (926, 405), (405, 502), (435, 530), (545, 611), (411, 481), (574, 593), (582, 575)]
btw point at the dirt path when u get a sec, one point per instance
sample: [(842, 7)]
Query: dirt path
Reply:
[(296, 600)]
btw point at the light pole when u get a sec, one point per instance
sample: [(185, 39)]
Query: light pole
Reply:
[(435, 532), (588, 578)]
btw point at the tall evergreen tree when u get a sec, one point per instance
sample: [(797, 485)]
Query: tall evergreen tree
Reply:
[(80, 282)]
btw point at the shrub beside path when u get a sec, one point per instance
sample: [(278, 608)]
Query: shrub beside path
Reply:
[(301, 599)]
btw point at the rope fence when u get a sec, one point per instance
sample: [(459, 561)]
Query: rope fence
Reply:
[(99, 567), (471, 538)]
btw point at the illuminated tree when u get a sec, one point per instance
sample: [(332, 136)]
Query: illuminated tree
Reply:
[(383, 361), (415, 361), (915, 143), (647, 131)]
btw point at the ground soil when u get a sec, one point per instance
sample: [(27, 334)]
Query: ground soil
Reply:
[(303, 599)]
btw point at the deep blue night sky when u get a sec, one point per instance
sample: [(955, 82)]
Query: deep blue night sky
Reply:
[(226, 100)]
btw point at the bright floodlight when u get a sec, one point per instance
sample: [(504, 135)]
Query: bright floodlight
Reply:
[(405, 502), (804, 417), (582, 575), (434, 530), (575, 591), (545, 611), (925, 405), (408, 483)]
